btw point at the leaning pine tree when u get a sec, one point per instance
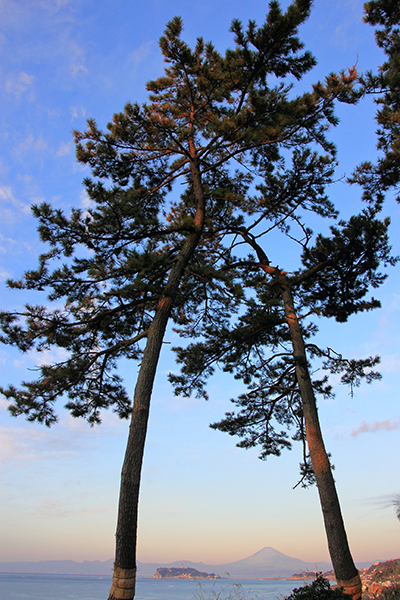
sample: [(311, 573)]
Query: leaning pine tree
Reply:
[(268, 347), (120, 270)]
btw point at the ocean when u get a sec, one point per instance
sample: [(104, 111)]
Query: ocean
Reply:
[(20, 586)]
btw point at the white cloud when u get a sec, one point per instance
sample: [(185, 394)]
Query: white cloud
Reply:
[(139, 55), (79, 69), (395, 303), (18, 84), (389, 364), (4, 274), (344, 33), (64, 149), (69, 438), (33, 360), (387, 425), (50, 357), (7, 197), (32, 442), (7, 244), (77, 58), (85, 200), (77, 112), (30, 144), (17, 443), (52, 508), (47, 357), (45, 34)]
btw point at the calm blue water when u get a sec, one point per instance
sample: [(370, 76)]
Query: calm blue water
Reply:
[(16, 586)]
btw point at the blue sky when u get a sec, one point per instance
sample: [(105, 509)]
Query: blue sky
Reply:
[(202, 498)]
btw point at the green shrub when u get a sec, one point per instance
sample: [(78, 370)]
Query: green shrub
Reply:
[(319, 589)]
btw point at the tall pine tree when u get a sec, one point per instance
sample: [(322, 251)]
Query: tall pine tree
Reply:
[(268, 347)]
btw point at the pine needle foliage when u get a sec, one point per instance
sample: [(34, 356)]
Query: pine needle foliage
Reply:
[(256, 346), (213, 123), (378, 178)]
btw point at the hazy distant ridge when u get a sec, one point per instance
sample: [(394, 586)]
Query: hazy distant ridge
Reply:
[(264, 563), (62, 567)]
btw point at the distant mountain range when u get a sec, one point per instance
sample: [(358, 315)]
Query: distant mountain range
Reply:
[(264, 563)]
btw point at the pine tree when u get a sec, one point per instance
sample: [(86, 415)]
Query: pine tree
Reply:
[(268, 347), (143, 253)]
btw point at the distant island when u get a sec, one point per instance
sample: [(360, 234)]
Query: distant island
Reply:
[(183, 573)]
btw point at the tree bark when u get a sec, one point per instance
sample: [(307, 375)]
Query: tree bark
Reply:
[(346, 573), (124, 578)]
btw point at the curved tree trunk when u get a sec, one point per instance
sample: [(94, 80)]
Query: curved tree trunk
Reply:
[(124, 577), (345, 571)]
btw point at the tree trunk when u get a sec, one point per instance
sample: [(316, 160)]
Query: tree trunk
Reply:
[(345, 571), (124, 577)]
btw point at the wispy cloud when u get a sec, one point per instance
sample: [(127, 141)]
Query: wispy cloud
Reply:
[(6, 195), (140, 54), (4, 274), (390, 364), (49, 357), (8, 199), (34, 359), (76, 69), (43, 32), (17, 443), (387, 425), (64, 149), (30, 144), (30, 442), (57, 509), (85, 200), (21, 244), (77, 112), (77, 59), (383, 501), (344, 33), (22, 444), (18, 84), (7, 244)]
